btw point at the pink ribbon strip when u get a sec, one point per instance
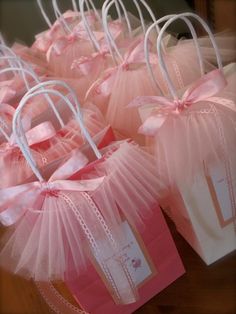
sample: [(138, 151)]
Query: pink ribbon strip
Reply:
[(206, 87), (16, 200), (134, 55)]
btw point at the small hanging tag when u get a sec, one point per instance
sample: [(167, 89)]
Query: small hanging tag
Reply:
[(132, 254), (223, 191)]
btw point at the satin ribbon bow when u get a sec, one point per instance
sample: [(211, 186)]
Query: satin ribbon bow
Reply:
[(16, 200), (203, 90), (45, 39), (88, 64), (134, 55)]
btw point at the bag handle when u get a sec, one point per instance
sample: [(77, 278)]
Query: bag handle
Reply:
[(74, 5), (149, 10), (8, 51), (88, 29), (90, 3), (2, 41), (163, 66), (105, 9), (110, 40), (36, 79), (60, 17), (14, 62), (146, 48), (44, 14), (2, 131), (19, 132)]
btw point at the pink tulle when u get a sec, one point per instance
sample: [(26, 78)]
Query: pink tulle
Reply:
[(51, 234), (201, 135), (66, 139)]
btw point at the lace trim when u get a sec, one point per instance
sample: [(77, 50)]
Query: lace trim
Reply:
[(46, 289), (92, 242), (227, 162)]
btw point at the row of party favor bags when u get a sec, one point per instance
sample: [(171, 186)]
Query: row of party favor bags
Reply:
[(69, 221), (181, 133)]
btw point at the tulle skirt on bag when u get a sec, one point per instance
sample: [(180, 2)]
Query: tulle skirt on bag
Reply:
[(51, 238), (203, 135)]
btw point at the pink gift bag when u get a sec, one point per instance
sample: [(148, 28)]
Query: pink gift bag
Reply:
[(152, 260)]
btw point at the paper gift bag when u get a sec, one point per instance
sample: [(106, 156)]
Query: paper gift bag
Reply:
[(204, 213), (152, 259)]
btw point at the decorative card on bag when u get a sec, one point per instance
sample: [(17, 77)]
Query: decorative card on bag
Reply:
[(151, 258)]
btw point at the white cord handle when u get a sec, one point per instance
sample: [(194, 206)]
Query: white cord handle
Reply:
[(74, 5), (44, 14), (4, 134), (50, 83), (2, 126), (2, 41), (5, 51), (20, 136), (146, 49), (34, 76), (111, 42), (60, 17), (86, 24), (77, 108), (163, 66), (19, 64), (95, 11), (140, 12)]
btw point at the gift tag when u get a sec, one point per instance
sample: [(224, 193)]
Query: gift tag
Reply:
[(132, 256), (223, 193)]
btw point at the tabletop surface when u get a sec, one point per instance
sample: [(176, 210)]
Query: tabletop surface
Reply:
[(202, 290)]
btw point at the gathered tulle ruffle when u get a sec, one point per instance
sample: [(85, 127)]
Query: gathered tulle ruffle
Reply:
[(51, 238), (203, 135)]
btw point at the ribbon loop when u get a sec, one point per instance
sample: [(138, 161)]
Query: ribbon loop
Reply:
[(203, 90)]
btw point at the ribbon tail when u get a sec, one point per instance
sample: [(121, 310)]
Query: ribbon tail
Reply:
[(207, 86)]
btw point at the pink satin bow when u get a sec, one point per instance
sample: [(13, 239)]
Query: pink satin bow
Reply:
[(16, 200), (203, 90), (36, 135), (88, 64), (134, 55)]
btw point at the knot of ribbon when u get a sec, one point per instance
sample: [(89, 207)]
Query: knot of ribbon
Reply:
[(134, 56), (16, 200), (203, 90)]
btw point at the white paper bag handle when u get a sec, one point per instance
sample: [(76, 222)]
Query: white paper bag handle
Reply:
[(36, 79), (88, 29), (44, 14), (163, 66), (12, 66), (61, 18), (8, 51), (110, 40), (146, 48), (140, 12), (19, 132)]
